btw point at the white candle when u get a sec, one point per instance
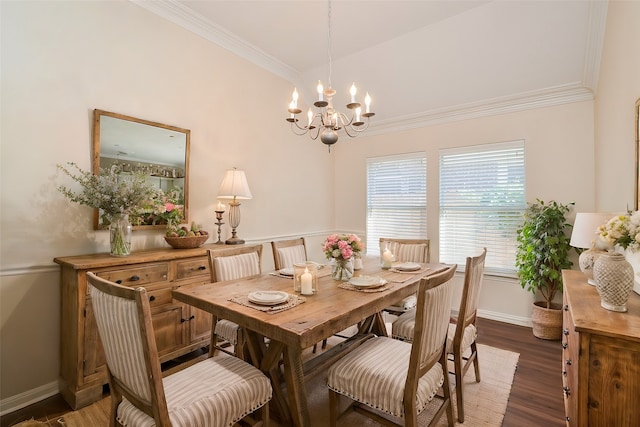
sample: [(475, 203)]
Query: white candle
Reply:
[(353, 92), (310, 116), (220, 207), (295, 98), (358, 110), (320, 90), (387, 258), (367, 102), (305, 283)]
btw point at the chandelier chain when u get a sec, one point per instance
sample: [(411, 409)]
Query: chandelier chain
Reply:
[(329, 39)]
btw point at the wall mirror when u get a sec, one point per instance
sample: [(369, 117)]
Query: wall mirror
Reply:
[(159, 151), (637, 126)]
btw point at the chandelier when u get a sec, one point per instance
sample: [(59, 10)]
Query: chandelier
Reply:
[(327, 122)]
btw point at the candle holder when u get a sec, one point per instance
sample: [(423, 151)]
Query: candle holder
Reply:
[(307, 285), (219, 224)]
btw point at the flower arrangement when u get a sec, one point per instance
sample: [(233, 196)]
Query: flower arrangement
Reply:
[(342, 247), (111, 192), (622, 230)]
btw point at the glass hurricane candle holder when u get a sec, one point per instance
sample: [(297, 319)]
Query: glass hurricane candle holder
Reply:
[(305, 278)]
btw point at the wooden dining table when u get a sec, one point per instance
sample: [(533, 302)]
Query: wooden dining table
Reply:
[(321, 315)]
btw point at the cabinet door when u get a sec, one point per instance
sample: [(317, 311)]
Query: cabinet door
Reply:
[(170, 323), (199, 326), (93, 358)]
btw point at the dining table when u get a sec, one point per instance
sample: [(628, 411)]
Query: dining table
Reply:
[(276, 335)]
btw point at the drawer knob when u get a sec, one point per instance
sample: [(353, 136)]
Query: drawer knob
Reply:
[(565, 331), (152, 298), (568, 362), (186, 320), (566, 307), (568, 419), (565, 345), (202, 267), (135, 278), (566, 390), (564, 373), (119, 281)]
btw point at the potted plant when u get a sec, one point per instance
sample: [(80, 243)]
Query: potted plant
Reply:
[(541, 255)]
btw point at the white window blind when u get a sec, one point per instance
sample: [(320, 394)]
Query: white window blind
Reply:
[(396, 198), (482, 202)]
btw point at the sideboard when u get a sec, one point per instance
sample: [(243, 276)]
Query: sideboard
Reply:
[(600, 359), (178, 328)]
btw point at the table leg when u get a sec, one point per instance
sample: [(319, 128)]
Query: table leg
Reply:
[(296, 389)]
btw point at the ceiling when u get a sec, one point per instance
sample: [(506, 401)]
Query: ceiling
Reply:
[(422, 61)]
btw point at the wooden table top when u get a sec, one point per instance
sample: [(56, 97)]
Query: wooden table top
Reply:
[(330, 311)]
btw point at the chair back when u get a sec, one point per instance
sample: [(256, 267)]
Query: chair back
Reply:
[(432, 323), (407, 250), (473, 275), (235, 264), (288, 252), (123, 317)]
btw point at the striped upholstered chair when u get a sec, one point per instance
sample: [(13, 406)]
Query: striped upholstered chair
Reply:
[(406, 250), (397, 378), (215, 392), (462, 335), (288, 252), (233, 264)]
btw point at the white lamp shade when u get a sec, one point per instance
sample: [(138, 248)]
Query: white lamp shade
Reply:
[(234, 185), (585, 228)]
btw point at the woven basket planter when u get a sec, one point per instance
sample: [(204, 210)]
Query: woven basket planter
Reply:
[(547, 322)]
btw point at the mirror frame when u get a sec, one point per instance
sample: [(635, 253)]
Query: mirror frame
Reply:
[(637, 131), (97, 115)]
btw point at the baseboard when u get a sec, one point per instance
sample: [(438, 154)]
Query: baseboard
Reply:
[(501, 317), (19, 401)]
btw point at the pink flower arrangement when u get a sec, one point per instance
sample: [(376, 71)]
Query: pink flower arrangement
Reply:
[(342, 246)]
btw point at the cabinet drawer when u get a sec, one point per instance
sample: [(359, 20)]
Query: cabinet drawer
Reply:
[(194, 267), (137, 275), (158, 297)]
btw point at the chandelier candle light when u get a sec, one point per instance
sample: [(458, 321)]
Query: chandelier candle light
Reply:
[(234, 186), (328, 121)]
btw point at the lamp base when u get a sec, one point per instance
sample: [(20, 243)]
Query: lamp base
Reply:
[(234, 241)]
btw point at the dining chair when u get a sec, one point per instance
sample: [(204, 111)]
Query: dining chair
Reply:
[(232, 264), (396, 378), (406, 250), (288, 252), (215, 392), (462, 334)]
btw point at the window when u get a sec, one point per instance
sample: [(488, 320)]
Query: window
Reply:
[(482, 202), (396, 198)]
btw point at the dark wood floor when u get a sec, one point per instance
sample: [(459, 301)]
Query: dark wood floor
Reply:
[(536, 394)]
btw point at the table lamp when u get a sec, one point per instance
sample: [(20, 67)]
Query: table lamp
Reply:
[(234, 186), (585, 236)]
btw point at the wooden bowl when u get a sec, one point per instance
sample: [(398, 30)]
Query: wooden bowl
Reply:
[(186, 242)]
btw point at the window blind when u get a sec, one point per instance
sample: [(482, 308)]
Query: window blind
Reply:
[(482, 202), (396, 198)]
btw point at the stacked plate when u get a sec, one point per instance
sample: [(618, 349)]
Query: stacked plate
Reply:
[(408, 266), (367, 282), (268, 297), (286, 271)]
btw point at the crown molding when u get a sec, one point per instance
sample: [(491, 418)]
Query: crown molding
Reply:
[(595, 40), (194, 22), (557, 95)]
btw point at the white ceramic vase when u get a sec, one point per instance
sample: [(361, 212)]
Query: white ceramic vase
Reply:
[(614, 280), (633, 257)]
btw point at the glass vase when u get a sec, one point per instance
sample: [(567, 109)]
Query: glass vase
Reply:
[(120, 235), (342, 269)]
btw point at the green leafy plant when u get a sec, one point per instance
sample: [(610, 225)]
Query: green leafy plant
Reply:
[(543, 248)]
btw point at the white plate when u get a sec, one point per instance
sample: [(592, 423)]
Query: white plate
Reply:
[(286, 271), (315, 264), (367, 281), (268, 297), (408, 266)]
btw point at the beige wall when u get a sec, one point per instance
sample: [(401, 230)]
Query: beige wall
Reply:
[(62, 59)]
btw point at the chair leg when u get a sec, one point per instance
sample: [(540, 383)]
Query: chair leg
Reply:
[(240, 345), (457, 361), (476, 364), (264, 415), (324, 344), (334, 402)]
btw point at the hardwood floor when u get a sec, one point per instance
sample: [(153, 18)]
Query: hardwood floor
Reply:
[(536, 394)]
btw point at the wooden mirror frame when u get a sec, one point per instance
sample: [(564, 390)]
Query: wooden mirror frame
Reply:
[(97, 118), (637, 125)]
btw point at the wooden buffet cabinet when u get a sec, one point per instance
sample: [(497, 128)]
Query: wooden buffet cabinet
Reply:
[(178, 328), (600, 359)]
